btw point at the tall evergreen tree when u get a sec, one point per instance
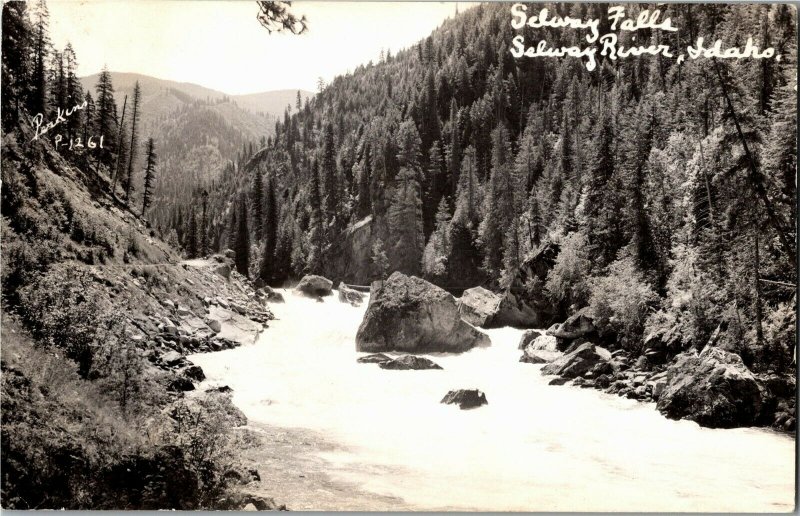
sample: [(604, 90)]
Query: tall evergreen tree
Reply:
[(258, 206), (137, 98), (106, 110), (330, 185), (242, 243), (266, 269), (150, 176), (41, 43)]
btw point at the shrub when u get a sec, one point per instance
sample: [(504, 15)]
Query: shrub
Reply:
[(620, 302), (62, 309), (567, 281)]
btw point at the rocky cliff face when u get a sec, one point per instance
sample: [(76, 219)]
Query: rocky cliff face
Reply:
[(350, 258)]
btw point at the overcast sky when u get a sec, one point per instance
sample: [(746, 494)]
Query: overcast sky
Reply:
[(221, 45)]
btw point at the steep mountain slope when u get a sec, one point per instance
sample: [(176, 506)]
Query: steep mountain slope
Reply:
[(197, 132)]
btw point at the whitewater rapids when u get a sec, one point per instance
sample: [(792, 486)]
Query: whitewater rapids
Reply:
[(534, 447)]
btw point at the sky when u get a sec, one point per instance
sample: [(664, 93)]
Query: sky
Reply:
[(221, 45)]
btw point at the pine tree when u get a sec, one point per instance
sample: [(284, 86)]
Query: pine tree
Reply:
[(41, 43), (191, 236), (204, 225), (74, 91), (242, 242), (364, 180), (149, 175), (330, 190), (106, 117), (258, 206), (17, 66), (137, 97), (266, 269)]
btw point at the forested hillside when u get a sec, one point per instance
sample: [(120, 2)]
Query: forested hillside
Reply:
[(200, 131), (669, 188), (98, 313)]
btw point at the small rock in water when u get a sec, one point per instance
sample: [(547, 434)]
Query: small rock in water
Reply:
[(378, 358), (558, 381), (409, 362), (465, 398)]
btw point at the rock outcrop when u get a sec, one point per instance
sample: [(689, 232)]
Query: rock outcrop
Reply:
[(465, 398), (478, 306), (713, 388), (412, 315), (314, 286), (525, 303), (406, 362), (349, 295)]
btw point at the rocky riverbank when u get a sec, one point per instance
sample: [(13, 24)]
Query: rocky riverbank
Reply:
[(712, 386)]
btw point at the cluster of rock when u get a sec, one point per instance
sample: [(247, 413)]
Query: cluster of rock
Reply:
[(712, 387), (403, 362)]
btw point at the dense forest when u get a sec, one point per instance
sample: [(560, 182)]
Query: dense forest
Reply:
[(670, 188)]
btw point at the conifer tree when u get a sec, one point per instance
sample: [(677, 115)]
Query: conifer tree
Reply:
[(258, 206), (137, 98), (41, 43), (17, 66), (242, 242), (106, 111), (330, 190), (149, 176), (191, 236), (267, 266)]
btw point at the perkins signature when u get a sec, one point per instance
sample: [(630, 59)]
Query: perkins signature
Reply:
[(61, 116)]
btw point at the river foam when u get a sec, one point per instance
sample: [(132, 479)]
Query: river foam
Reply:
[(534, 447)]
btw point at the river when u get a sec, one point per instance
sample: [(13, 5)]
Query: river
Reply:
[(534, 447)]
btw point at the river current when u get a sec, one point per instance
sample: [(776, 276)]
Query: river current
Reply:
[(534, 447)]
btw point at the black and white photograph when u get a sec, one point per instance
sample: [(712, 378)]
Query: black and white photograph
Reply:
[(398, 256)]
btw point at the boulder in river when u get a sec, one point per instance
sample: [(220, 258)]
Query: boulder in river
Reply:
[(478, 305), (528, 336), (406, 362), (580, 361), (314, 286), (465, 398), (377, 358), (349, 295), (415, 316), (714, 388)]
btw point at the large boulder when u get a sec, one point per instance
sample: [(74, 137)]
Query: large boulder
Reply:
[(314, 286), (465, 398), (412, 315), (406, 362), (580, 361), (578, 325), (477, 305), (525, 303), (713, 388), (349, 295)]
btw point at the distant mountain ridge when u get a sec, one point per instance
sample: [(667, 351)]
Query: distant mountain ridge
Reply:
[(270, 103)]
